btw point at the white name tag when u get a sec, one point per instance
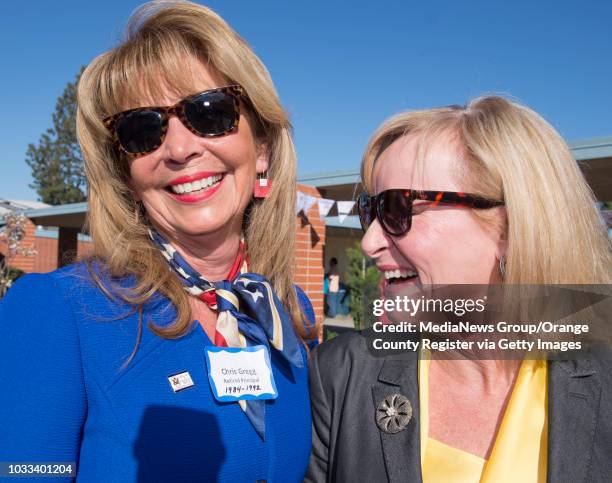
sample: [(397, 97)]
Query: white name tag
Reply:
[(240, 373), (180, 381)]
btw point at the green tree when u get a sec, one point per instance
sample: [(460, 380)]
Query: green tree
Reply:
[(56, 161), (363, 280)]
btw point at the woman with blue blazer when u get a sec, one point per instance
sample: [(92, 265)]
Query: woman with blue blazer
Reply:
[(174, 351)]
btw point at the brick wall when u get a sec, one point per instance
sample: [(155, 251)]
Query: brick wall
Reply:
[(83, 248), (46, 254), (310, 240)]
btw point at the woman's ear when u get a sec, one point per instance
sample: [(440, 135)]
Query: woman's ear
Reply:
[(262, 162)]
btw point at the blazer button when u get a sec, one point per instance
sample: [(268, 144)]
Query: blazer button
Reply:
[(393, 413)]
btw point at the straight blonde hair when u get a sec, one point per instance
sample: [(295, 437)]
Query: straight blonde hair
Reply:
[(508, 152), (161, 40)]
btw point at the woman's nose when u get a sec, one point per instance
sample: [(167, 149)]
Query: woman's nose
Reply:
[(180, 144), (375, 241)]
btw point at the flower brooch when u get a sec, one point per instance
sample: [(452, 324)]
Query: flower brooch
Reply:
[(393, 413)]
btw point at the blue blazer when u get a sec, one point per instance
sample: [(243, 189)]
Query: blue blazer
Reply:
[(65, 398)]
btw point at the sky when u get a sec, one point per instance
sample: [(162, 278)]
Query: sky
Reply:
[(340, 67)]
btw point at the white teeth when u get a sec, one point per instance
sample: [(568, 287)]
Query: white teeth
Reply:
[(196, 185), (398, 273)]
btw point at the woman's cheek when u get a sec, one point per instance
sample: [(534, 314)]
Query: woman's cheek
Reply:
[(429, 247)]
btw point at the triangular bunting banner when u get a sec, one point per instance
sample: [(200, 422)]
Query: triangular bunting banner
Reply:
[(344, 208), (325, 206), (299, 202), (308, 202)]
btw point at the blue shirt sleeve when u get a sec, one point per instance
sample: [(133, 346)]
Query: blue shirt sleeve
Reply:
[(310, 323), (43, 402)]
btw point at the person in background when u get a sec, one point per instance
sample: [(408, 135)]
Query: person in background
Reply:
[(114, 363), (333, 286), (333, 275)]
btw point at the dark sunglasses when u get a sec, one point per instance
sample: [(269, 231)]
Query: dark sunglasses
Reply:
[(207, 114), (394, 208)]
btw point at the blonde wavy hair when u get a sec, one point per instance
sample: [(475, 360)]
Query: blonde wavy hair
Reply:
[(553, 230), (161, 39)]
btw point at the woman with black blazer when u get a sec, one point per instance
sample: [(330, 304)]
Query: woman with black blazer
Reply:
[(486, 194)]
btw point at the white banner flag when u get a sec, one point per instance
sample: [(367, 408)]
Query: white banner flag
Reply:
[(299, 202), (344, 208), (308, 202), (325, 206)]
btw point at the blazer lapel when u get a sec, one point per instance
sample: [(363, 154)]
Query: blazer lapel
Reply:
[(573, 404), (402, 450)]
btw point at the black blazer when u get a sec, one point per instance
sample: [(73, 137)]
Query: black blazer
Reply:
[(347, 383)]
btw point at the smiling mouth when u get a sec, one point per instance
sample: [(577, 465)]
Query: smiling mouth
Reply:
[(399, 275), (195, 187)]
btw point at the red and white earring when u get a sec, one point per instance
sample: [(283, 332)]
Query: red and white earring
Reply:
[(263, 185)]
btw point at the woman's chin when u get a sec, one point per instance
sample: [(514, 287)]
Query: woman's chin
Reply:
[(194, 227)]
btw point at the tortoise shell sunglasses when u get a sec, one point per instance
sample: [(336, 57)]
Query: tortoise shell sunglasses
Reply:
[(212, 113), (394, 208)]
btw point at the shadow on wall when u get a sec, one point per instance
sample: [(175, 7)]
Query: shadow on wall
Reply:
[(163, 448)]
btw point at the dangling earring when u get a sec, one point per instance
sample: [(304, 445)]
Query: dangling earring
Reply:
[(502, 267), (263, 185)]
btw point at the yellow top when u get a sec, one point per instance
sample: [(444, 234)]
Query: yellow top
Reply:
[(520, 448)]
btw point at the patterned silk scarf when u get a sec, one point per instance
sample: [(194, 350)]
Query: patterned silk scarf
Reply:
[(250, 313)]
